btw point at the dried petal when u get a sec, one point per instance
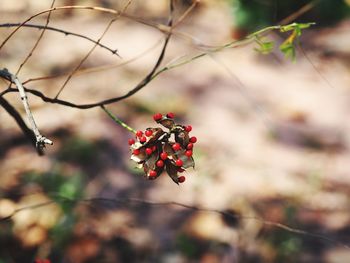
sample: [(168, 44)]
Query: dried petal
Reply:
[(171, 169), (150, 163), (182, 137), (167, 148), (188, 162), (139, 157), (167, 123)]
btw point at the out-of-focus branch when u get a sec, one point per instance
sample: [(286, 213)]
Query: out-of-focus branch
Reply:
[(130, 201), (41, 140)]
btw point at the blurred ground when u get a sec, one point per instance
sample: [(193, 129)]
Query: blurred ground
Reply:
[(273, 143)]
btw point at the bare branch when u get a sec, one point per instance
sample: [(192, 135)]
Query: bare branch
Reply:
[(98, 68), (91, 50), (138, 87), (41, 140), (37, 41), (161, 27), (55, 29), (20, 122)]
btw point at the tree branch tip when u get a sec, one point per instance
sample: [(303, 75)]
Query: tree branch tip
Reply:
[(42, 141)]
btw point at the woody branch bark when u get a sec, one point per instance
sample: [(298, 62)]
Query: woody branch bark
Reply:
[(41, 140)]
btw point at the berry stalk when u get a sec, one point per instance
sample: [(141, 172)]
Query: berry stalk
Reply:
[(118, 121)]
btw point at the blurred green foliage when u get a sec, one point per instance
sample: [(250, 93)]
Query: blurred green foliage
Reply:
[(251, 15), (65, 190)]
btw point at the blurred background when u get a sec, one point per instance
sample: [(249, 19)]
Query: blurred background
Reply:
[(273, 136)]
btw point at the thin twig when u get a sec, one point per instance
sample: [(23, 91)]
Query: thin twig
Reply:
[(161, 27), (55, 29), (153, 74), (74, 71), (186, 13), (37, 41), (299, 12), (98, 68), (314, 66), (41, 140)]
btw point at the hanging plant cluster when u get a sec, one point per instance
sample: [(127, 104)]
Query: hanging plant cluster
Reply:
[(156, 150)]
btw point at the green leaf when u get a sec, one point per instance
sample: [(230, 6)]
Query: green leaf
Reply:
[(265, 47), (288, 49)]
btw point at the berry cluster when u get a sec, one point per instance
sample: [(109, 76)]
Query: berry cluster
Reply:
[(156, 150)]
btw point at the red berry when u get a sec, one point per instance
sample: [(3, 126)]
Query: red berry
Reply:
[(188, 128), (148, 133), (139, 133), (160, 163), (163, 156), (148, 151), (136, 152), (157, 116), (189, 146), (46, 261), (170, 115), (131, 141), (193, 139), (154, 148), (181, 179), (188, 153), (143, 139), (180, 170), (176, 146), (179, 162), (152, 173)]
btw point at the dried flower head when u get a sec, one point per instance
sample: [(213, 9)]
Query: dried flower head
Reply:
[(160, 150)]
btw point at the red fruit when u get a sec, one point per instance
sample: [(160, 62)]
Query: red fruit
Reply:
[(148, 133), (136, 151), (152, 173), (46, 261), (188, 128), (154, 148), (160, 163), (131, 141), (170, 115), (157, 116), (188, 153), (189, 146), (193, 139), (148, 151), (163, 156), (143, 139), (179, 162), (181, 179), (139, 134), (176, 146)]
